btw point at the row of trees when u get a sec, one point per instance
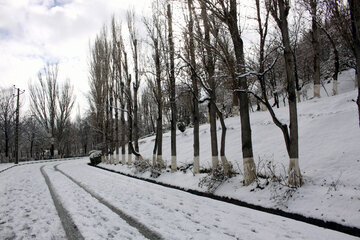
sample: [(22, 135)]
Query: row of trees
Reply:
[(203, 61), (46, 129), (183, 65)]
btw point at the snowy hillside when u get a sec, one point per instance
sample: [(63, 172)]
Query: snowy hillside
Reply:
[(329, 137)]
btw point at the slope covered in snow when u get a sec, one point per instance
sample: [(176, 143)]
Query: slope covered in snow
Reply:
[(329, 157)]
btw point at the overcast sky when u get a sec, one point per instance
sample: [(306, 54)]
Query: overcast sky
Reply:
[(34, 32)]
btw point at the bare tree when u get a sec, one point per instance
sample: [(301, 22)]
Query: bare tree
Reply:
[(154, 30), (129, 107), (52, 105), (7, 115), (355, 27), (134, 43), (44, 101), (226, 11), (65, 105), (117, 76), (279, 9), (172, 90), (209, 64), (312, 6), (195, 103)]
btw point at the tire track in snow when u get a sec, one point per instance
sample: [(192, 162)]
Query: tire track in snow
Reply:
[(39, 161), (71, 230), (351, 230), (143, 229)]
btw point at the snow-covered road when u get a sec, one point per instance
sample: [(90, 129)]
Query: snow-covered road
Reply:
[(105, 205)]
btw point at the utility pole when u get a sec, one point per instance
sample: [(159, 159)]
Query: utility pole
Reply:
[(17, 124)]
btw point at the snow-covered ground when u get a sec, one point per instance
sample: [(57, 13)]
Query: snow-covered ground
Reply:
[(26, 207), (27, 210), (4, 166), (329, 137), (329, 160)]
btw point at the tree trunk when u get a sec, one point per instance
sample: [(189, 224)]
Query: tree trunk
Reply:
[(123, 125), (247, 151), (111, 120), (7, 140), (223, 158), (213, 134), (316, 48), (136, 88), (210, 70), (32, 145), (160, 161), (336, 60), (195, 106), (117, 145), (129, 110), (172, 92), (155, 149), (297, 82), (355, 27), (294, 169)]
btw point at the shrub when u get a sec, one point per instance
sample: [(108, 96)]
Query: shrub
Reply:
[(181, 126), (95, 157)]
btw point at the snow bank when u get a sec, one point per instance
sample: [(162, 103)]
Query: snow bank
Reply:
[(329, 157)]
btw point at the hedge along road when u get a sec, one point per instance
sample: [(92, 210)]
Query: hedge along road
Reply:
[(179, 215)]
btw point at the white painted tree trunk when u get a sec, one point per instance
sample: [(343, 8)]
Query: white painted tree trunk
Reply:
[(173, 164), (226, 165), (249, 170), (263, 107), (111, 156), (106, 159), (335, 87), (196, 165), (123, 159), (154, 160), (117, 160), (316, 90), (102, 159), (215, 161), (235, 110), (294, 172), (129, 159), (160, 161)]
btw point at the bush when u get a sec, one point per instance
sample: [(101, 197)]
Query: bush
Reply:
[(95, 157), (181, 126)]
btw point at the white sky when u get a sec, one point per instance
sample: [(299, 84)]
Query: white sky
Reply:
[(34, 32)]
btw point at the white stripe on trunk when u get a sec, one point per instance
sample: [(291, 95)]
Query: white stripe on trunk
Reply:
[(196, 164), (123, 159), (215, 161), (117, 159), (316, 90), (173, 164)]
